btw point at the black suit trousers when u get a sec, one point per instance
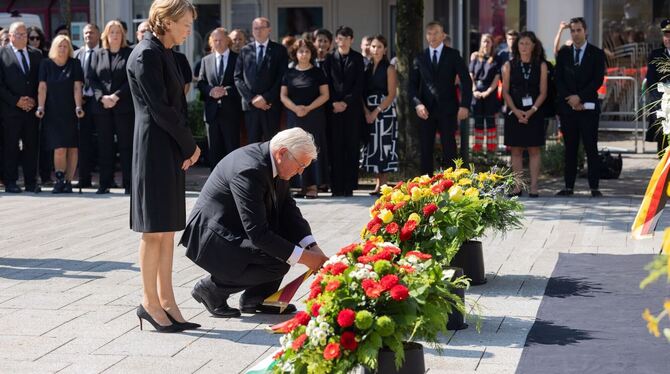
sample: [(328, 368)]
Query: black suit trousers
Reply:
[(446, 124), (223, 134), (262, 125), (107, 125), (23, 127), (86, 148), (345, 150), (575, 126)]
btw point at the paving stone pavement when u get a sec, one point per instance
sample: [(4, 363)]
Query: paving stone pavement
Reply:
[(70, 282)]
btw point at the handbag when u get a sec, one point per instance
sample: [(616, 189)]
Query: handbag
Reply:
[(610, 166)]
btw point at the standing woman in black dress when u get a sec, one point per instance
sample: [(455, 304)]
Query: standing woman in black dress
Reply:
[(485, 74), (114, 115), (380, 155), (304, 92), (59, 99), (524, 90), (163, 149)]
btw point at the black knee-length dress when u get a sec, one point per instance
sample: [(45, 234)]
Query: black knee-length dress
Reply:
[(524, 81)]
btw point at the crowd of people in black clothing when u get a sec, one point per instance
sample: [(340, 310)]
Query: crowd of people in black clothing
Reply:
[(53, 99)]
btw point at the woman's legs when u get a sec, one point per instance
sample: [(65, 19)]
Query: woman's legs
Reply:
[(517, 166), (150, 262), (535, 161), (60, 159), (165, 290), (72, 156)]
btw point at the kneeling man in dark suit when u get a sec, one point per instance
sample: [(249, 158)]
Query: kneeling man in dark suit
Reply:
[(245, 228)]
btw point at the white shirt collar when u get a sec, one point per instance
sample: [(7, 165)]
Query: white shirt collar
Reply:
[(16, 50), (274, 167), (224, 54), (438, 49), (265, 45)]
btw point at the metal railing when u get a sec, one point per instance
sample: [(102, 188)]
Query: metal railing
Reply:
[(622, 100)]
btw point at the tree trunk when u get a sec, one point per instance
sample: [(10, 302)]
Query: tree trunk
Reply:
[(409, 36)]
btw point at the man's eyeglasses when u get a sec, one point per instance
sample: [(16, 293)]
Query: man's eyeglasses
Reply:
[(302, 166)]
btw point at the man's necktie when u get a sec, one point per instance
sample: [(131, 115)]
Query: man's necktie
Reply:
[(220, 73), (577, 51), (24, 63), (87, 70), (435, 59), (259, 59)]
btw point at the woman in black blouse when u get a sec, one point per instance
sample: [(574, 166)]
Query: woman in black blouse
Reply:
[(380, 155), (114, 115), (304, 91), (485, 74)]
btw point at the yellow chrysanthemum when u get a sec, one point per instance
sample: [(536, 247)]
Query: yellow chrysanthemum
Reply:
[(397, 196), (363, 232), (386, 189), (424, 179), (414, 217), (455, 193), (465, 181), (417, 194), (386, 215), (652, 323), (472, 192), (482, 177)]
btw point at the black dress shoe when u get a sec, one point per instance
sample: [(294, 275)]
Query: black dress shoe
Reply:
[(12, 188), (565, 192), (201, 295), (298, 195), (183, 325), (265, 309), (33, 188), (596, 193), (67, 188), (102, 190)]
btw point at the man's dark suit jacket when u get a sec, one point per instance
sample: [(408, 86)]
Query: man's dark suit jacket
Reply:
[(14, 83), (80, 54), (109, 77), (264, 80), (582, 80), (209, 78), (437, 90), (653, 75), (240, 213)]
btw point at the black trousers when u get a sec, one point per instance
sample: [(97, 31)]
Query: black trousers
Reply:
[(107, 125), (223, 134), (86, 146), (575, 126), (23, 127), (261, 278), (344, 149), (447, 125), (262, 125)]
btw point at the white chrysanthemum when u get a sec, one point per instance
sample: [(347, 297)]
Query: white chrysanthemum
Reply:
[(664, 113), (353, 286)]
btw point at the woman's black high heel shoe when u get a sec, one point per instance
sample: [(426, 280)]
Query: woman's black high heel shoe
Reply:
[(183, 325), (143, 314)]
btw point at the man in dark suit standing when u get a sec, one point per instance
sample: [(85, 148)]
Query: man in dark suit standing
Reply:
[(245, 228), (580, 71), (222, 101), (19, 70), (258, 74), (344, 70), (655, 132), (86, 125), (432, 88)]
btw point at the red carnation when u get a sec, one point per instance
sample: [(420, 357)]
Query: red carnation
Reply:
[(333, 285), (374, 291), (368, 247), (446, 183), (437, 189), (407, 268), (332, 351), (411, 186), (299, 342), (400, 205), (374, 229), (399, 292), (410, 225), (392, 228), (383, 255), (405, 234), (393, 249), (429, 209), (302, 317), (348, 249), (389, 206), (367, 283), (346, 317), (420, 255), (315, 309), (376, 220), (348, 340), (388, 281), (314, 292), (338, 268), (365, 259)]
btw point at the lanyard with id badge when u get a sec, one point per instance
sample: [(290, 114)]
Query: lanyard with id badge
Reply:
[(526, 100)]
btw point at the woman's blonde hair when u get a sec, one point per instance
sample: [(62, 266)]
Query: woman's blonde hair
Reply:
[(53, 51), (482, 53), (108, 29), (164, 10)]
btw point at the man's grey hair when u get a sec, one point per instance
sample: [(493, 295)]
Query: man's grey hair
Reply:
[(296, 140), (16, 25)]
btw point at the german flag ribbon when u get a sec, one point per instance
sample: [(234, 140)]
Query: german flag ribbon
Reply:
[(654, 200), (283, 297)]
